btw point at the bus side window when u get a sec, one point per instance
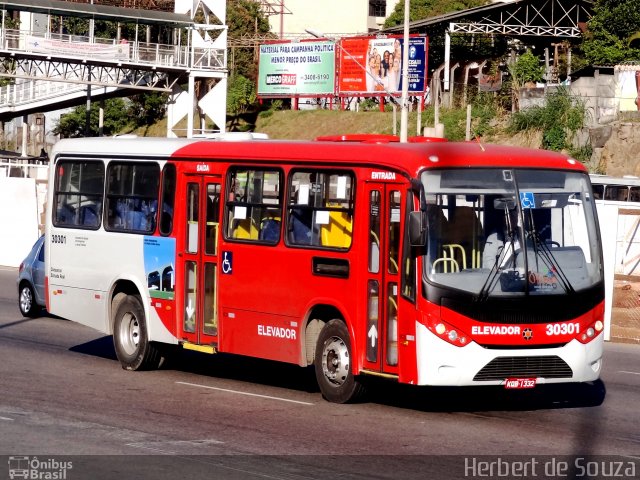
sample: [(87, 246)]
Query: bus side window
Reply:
[(168, 198), (254, 205), (320, 210), (132, 196), (79, 194), (616, 192), (598, 192)]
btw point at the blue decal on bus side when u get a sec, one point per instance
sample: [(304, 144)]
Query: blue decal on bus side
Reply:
[(227, 262), (159, 257)]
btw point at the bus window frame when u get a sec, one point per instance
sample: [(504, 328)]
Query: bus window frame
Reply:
[(154, 217), (291, 192), (161, 205), (58, 193), (229, 205)]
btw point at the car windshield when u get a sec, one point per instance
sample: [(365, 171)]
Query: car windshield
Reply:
[(506, 232)]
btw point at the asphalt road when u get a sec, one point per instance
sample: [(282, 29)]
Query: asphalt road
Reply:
[(64, 397)]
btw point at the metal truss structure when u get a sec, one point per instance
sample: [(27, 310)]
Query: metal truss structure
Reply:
[(94, 74), (555, 18), (273, 7), (49, 72), (162, 5)]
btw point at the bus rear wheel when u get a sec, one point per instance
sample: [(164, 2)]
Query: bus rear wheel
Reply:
[(130, 338), (335, 377)]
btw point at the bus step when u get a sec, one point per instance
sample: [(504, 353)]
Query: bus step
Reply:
[(379, 374), (199, 348)]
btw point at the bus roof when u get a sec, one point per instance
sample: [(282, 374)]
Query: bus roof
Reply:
[(627, 180), (408, 158)]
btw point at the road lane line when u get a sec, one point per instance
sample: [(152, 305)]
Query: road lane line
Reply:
[(630, 373), (243, 393), (7, 419)]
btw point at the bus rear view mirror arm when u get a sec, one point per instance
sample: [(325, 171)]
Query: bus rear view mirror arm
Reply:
[(417, 228)]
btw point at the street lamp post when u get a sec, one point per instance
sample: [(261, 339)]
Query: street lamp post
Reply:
[(404, 112)]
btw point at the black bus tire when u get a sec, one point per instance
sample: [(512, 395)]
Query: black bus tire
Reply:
[(333, 364), (130, 338)]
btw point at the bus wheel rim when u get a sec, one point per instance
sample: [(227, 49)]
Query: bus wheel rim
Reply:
[(335, 361), (130, 333)]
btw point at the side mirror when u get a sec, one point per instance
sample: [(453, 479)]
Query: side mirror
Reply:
[(417, 229), (504, 203)]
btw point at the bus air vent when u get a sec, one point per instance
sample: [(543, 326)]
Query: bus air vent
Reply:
[(549, 366)]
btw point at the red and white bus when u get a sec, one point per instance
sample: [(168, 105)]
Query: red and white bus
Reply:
[(427, 262)]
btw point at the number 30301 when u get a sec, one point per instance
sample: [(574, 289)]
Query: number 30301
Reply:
[(563, 328)]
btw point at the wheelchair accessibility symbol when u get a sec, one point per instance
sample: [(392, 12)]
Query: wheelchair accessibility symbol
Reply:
[(227, 262), (527, 200)]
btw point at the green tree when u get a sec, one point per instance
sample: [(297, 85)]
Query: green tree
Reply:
[(148, 108), (527, 69), (421, 9), (116, 119), (462, 46), (245, 20), (613, 25)]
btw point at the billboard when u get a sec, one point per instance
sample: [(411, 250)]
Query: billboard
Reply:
[(291, 69), (372, 65)]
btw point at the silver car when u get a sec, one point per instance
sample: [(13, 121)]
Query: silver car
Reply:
[(31, 281)]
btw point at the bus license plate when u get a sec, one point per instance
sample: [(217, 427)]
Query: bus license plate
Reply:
[(517, 383)]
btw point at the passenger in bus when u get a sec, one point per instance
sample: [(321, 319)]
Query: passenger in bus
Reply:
[(504, 234), (301, 226), (89, 216), (270, 230), (66, 214)]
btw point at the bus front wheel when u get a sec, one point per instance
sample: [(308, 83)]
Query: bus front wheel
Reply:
[(130, 338), (335, 377)]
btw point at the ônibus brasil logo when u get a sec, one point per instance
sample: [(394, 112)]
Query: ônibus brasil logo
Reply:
[(38, 469)]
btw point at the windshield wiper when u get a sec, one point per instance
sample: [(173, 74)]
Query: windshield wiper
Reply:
[(492, 279), (541, 250)]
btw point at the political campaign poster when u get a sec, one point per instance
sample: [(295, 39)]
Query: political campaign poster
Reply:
[(296, 69), (373, 65)]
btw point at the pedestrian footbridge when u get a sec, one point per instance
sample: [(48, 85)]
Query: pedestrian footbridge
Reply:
[(48, 71)]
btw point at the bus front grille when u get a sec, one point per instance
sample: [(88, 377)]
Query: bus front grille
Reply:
[(500, 368)]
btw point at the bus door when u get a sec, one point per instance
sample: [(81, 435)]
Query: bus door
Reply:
[(199, 258), (385, 202)]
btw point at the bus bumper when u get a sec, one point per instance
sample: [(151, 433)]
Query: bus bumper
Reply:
[(440, 363)]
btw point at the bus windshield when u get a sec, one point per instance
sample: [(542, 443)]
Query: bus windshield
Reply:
[(509, 232)]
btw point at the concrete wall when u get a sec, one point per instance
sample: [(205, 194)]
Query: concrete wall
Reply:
[(19, 219), (599, 94), (332, 17)]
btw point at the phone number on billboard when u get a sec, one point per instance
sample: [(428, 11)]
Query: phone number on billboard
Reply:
[(315, 76)]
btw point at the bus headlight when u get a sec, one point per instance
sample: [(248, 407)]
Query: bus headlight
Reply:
[(591, 332), (447, 332)]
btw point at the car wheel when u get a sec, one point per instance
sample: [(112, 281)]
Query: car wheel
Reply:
[(27, 301)]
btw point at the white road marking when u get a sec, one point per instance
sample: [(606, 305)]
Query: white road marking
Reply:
[(7, 419), (630, 373), (244, 393)]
